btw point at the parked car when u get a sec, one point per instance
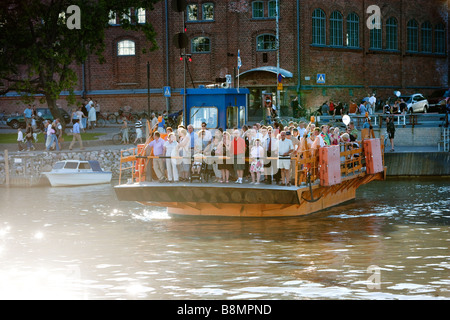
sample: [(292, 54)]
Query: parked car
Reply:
[(438, 100), (416, 103), (43, 114)]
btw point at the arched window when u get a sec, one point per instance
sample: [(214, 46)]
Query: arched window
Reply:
[(318, 27), (126, 48), (439, 38), (266, 42), (200, 45), (412, 36), (427, 34), (353, 30), (376, 40), (336, 29), (392, 34)]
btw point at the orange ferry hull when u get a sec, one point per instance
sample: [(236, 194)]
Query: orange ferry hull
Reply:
[(244, 200)]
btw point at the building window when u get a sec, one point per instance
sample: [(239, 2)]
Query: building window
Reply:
[(273, 9), (376, 41), (427, 34), (266, 42), (127, 16), (439, 38), (112, 18), (192, 12), (353, 30), (336, 29), (391, 34), (208, 11), (209, 115), (318, 27), (200, 45), (140, 15), (126, 48), (257, 9), (413, 35)]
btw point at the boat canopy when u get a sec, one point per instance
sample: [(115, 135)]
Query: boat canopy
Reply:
[(95, 165)]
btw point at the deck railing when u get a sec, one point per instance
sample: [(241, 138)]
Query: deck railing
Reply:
[(305, 164)]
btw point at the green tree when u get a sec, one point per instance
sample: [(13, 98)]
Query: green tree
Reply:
[(39, 46)]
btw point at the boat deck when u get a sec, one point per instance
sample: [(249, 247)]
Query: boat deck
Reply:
[(231, 185)]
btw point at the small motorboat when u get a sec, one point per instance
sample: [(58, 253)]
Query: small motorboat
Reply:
[(77, 173)]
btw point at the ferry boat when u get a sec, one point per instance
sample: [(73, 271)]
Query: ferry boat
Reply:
[(323, 178), (77, 173)]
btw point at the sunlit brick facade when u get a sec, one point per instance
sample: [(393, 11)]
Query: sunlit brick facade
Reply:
[(408, 53)]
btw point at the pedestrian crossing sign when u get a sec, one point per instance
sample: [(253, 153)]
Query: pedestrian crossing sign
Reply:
[(321, 78), (167, 92)]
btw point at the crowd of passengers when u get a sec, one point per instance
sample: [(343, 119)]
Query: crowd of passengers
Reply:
[(270, 151)]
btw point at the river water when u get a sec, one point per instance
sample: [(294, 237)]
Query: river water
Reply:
[(392, 242)]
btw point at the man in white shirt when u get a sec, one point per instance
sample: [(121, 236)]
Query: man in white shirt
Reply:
[(372, 101), (301, 129), (285, 148), (208, 135)]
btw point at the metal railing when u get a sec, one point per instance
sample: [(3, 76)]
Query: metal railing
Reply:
[(377, 119), (445, 140), (305, 163)]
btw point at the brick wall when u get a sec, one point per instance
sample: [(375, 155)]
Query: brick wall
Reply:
[(350, 73)]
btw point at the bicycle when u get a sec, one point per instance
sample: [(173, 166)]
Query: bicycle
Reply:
[(101, 120), (117, 138), (130, 116), (111, 118)]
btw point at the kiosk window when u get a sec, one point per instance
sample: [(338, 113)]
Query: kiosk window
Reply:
[(241, 115), (232, 117), (209, 115)]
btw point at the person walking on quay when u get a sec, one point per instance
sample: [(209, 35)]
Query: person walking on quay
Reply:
[(76, 134), (59, 133), (390, 127), (27, 114), (53, 138), (20, 139), (124, 128), (92, 117), (138, 125), (29, 137)]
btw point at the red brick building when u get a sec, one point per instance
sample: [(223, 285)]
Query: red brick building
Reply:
[(327, 51)]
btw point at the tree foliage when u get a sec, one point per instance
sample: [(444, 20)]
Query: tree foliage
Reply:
[(38, 51)]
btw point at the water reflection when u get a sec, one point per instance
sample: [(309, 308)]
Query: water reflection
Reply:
[(82, 243)]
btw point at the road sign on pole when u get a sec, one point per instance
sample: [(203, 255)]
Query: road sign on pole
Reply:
[(321, 78), (167, 92)]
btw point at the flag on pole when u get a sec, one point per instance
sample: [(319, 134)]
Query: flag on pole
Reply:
[(239, 65), (239, 62)]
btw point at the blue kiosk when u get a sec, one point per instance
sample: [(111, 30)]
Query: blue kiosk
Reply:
[(224, 108)]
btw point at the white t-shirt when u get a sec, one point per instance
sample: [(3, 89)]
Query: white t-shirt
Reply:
[(284, 146)]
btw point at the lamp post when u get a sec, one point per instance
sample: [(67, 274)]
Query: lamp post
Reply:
[(148, 89), (277, 13)]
